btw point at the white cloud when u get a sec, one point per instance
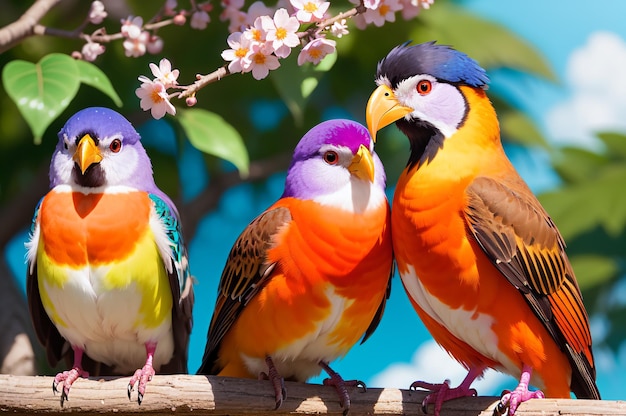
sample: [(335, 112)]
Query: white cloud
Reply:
[(596, 77), (432, 364)]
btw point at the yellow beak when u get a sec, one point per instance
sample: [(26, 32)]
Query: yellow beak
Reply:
[(87, 153), (362, 165), (383, 109)]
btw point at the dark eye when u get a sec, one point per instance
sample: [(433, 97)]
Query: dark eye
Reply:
[(424, 87), (116, 145), (65, 145), (331, 157)]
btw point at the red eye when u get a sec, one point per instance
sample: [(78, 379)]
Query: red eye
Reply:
[(116, 145), (424, 87), (331, 157)]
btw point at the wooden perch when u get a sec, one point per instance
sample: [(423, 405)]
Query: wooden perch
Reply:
[(200, 395)]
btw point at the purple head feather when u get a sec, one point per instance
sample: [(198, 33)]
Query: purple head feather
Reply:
[(305, 179), (103, 123)]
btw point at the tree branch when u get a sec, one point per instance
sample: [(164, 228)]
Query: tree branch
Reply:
[(211, 395), (14, 33)]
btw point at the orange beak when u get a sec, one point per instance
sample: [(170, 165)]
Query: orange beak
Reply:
[(87, 153), (383, 109), (362, 165)]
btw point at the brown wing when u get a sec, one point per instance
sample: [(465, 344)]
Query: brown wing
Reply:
[(521, 240), (245, 273)]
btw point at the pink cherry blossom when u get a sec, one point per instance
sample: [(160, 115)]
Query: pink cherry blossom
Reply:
[(191, 101), (316, 50), (386, 11), (180, 19), (281, 31), (262, 61), (310, 10), (170, 7), (206, 6), (411, 8), (338, 29), (153, 96), (256, 10), (256, 33), (235, 4), (135, 47), (154, 45), (237, 19), (97, 13), (199, 20), (91, 50), (132, 27), (239, 54), (371, 4), (164, 73)]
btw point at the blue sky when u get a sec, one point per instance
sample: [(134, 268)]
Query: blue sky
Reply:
[(584, 43)]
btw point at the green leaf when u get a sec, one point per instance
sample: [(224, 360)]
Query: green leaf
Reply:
[(211, 134), (93, 76), (597, 202), (575, 164), (519, 128), (43, 90), (295, 83), (489, 43), (593, 270), (615, 143)]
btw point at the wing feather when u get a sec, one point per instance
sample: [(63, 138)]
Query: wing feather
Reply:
[(246, 271), (521, 240), (176, 262)]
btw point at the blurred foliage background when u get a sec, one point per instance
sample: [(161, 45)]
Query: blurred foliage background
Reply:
[(589, 206)]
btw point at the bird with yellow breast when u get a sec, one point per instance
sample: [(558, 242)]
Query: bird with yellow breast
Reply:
[(109, 287)]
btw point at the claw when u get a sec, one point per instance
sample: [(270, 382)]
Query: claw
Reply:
[(512, 399), (66, 379), (340, 386), (143, 375), (441, 393), (277, 382)]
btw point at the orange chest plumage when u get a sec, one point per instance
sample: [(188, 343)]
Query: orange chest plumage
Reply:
[(330, 275), (328, 244), (78, 229)]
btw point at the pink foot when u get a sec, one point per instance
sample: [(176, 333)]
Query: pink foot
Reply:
[(512, 399), (340, 385), (143, 375), (69, 377), (277, 381), (441, 393)]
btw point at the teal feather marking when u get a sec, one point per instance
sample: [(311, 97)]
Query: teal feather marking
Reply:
[(33, 223), (172, 227)]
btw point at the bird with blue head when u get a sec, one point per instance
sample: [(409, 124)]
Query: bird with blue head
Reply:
[(482, 262)]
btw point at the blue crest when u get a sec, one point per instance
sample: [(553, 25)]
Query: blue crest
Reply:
[(440, 61)]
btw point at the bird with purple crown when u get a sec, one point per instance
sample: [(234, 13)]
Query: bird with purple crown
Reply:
[(108, 283), (309, 276)]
